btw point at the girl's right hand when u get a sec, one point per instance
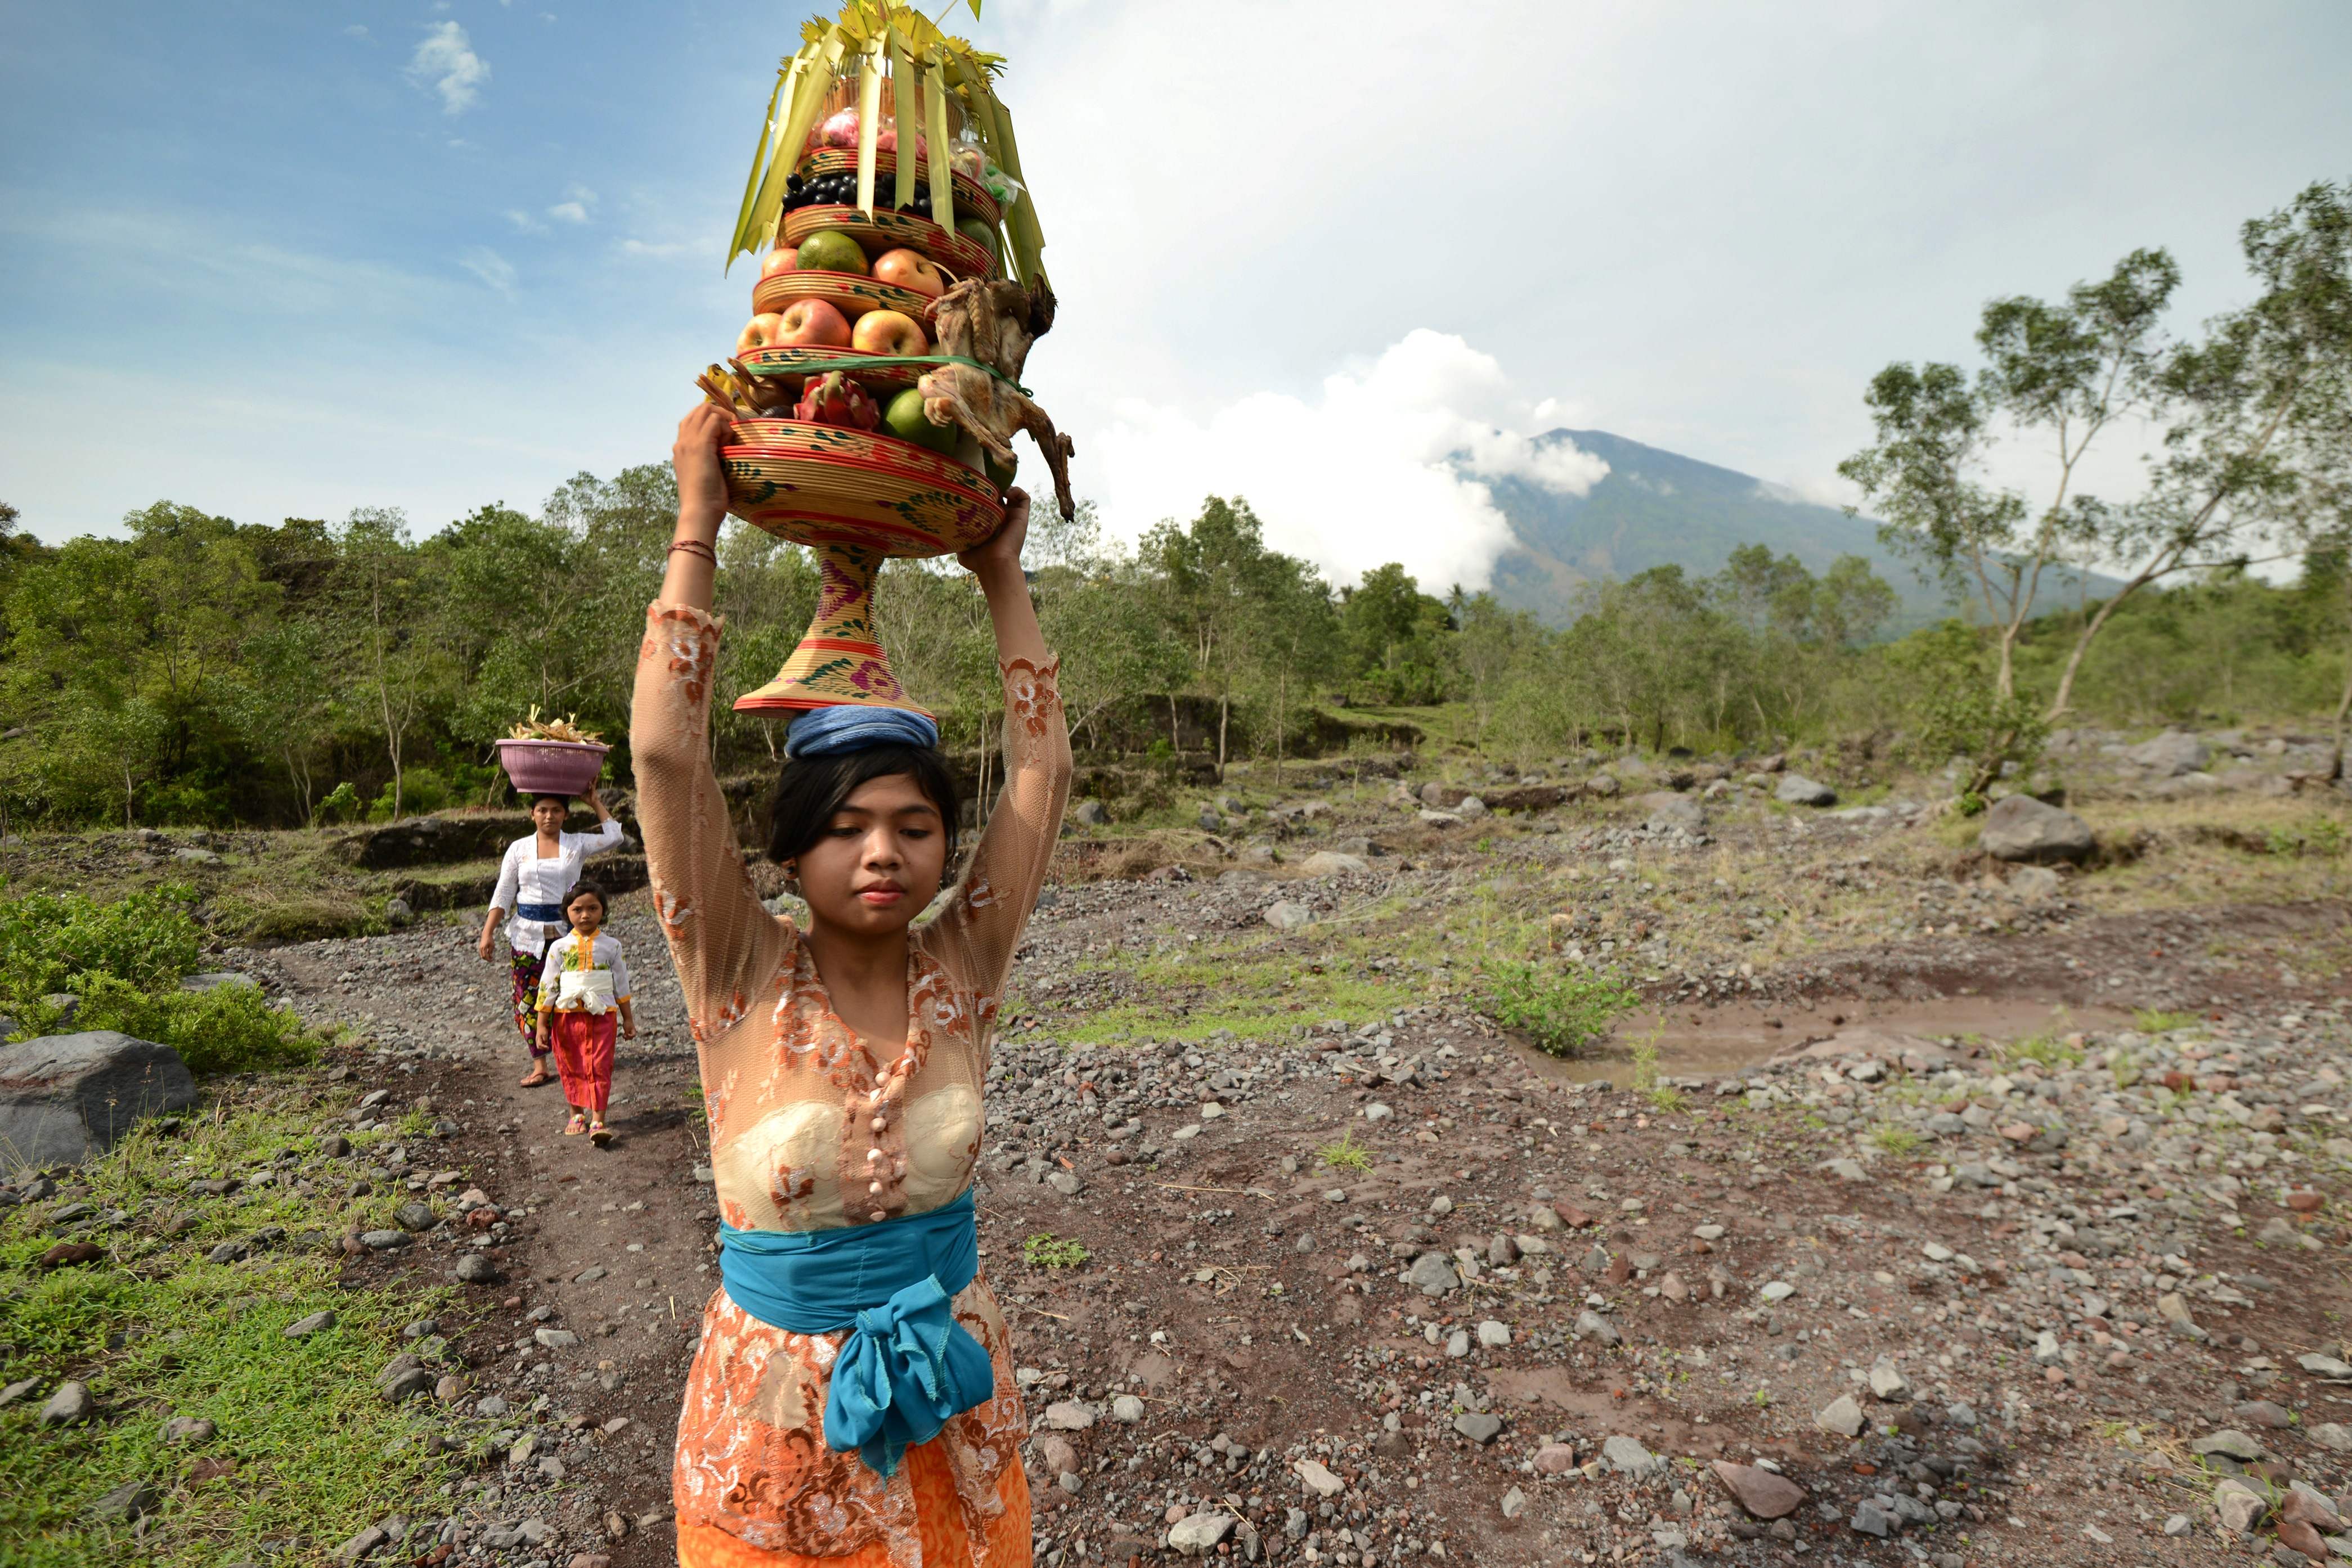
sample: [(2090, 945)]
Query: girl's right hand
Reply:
[(701, 478), (484, 947)]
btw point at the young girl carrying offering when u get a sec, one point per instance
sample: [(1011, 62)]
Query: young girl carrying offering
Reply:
[(585, 983)]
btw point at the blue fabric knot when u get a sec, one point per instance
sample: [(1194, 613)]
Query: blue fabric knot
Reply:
[(547, 912), (906, 1366), (845, 727)]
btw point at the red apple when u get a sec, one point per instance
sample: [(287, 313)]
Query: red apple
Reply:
[(781, 260), (910, 269), (888, 333), (814, 323), (761, 333)]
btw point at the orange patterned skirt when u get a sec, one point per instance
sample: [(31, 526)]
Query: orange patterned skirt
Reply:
[(938, 1517)]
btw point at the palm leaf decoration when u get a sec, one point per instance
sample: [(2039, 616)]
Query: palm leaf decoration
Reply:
[(871, 42)]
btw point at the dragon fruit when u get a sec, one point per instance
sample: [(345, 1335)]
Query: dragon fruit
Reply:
[(834, 399)]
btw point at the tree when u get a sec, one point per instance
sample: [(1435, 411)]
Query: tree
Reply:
[(1395, 635), (2062, 373), (385, 598), (1220, 588), (2258, 438)]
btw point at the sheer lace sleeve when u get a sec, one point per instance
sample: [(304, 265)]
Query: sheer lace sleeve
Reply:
[(725, 945), (974, 938)]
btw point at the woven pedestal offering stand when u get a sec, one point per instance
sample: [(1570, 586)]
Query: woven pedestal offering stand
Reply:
[(846, 159)]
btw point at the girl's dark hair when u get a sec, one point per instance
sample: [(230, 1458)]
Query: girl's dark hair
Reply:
[(581, 890), (812, 789), (563, 800)]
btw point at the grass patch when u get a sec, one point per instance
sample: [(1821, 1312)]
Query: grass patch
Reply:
[(1346, 1154), (1047, 1250), (1256, 994), (2044, 1050), (1664, 1098), (1563, 1013), (1900, 1142), (156, 1332), (2154, 1020)]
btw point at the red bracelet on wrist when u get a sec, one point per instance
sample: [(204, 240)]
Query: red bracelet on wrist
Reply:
[(695, 547)]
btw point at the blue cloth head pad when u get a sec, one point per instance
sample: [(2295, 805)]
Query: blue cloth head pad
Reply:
[(830, 731)]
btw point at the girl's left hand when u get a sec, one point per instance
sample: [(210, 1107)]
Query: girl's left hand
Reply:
[(1001, 549)]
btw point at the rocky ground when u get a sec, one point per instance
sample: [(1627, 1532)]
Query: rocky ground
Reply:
[(1922, 1211)]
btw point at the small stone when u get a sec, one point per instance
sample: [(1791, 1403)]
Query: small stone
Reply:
[(2263, 1413), (1777, 1290), (475, 1269), (1627, 1456), (413, 1217), (1869, 1520), (70, 1405), (1887, 1383), (2173, 1308), (2230, 1444), (1198, 1534), (301, 1328), (1796, 789), (1555, 1460), (1377, 1113), (1318, 1477), (1479, 1427), (555, 1339), (2177, 1525), (360, 1545), (1127, 1410), (17, 1390), (1457, 1343), (1055, 1449), (1286, 916), (1514, 1502), (1069, 1415), (1764, 1494), (2238, 1506), (1591, 1324), (2333, 1436), (188, 1429), (1842, 1417), (384, 1240), (1492, 1335), (1433, 1274)]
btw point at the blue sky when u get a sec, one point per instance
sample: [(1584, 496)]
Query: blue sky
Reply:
[(288, 259)]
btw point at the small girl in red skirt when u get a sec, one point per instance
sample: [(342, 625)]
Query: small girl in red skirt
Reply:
[(584, 984)]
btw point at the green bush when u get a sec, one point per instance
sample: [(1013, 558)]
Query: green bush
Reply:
[(124, 961), (1563, 1013), (49, 941), (228, 1029)]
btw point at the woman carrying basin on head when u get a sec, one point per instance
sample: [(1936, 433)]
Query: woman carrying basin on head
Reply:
[(535, 881), (852, 1401)]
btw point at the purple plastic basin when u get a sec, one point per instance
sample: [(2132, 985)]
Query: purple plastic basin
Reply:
[(552, 766)]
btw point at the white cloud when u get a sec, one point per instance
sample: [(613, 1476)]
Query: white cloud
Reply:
[(573, 209), (355, 31), (661, 251), (445, 61), (490, 267), (1389, 463), (524, 223)]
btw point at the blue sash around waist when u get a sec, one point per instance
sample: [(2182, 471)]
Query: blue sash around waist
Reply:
[(907, 1365), (552, 914)]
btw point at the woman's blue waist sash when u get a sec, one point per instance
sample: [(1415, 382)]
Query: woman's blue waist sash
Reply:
[(907, 1365), (552, 914)]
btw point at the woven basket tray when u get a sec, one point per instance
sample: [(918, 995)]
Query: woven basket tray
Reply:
[(820, 483), (846, 291), (970, 196), (788, 360), (959, 254)]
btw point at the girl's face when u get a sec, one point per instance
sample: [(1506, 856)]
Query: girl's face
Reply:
[(548, 816), (587, 913), (879, 860)]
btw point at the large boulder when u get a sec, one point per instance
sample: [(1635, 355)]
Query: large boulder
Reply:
[(1796, 789), (2170, 755), (2021, 827), (1664, 810), (65, 1097)]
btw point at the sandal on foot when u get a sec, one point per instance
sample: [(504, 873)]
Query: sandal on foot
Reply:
[(577, 1125), (537, 1076), (599, 1134)]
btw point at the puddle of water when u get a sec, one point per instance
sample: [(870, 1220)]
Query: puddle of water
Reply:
[(1714, 1041)]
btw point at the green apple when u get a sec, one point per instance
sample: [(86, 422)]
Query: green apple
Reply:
[(906, 419), (830, 250), (984, 233)]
